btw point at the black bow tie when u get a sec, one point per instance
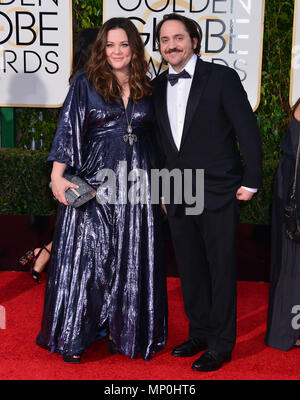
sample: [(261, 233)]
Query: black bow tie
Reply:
[(173, 78)]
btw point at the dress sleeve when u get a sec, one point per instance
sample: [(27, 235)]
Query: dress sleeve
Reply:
[(67, 144)]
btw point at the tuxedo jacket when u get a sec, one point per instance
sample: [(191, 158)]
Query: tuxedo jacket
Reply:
[(218, 115)]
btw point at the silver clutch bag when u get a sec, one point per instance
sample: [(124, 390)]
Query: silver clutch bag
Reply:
[(79, 196)]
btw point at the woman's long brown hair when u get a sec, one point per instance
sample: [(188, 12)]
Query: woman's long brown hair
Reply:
[(100, 73)]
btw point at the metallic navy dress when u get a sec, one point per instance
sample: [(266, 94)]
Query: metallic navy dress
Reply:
[(106, 259)]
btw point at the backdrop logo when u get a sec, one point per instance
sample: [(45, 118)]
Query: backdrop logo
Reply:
[(35, 53), (232, 32)]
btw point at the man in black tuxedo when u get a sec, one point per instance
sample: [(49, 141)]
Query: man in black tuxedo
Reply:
[(200, 113)]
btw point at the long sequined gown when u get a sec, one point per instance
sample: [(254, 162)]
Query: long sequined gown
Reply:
[(283, 322), (106, 259)]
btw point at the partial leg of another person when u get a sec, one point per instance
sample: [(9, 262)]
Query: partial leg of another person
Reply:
[(37, 260), (41, 259)]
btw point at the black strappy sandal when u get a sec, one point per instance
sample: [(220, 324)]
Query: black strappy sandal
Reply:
[(36, 276)]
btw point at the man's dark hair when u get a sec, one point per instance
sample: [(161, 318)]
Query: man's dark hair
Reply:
[(83, 44), (190, 25)]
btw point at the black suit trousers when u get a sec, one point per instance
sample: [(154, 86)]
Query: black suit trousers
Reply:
[(206, 251)]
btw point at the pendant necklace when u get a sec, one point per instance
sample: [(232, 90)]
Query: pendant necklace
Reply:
[(130, 137)]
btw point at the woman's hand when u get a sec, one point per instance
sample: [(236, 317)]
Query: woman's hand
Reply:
[(59, 187), (59, 183)]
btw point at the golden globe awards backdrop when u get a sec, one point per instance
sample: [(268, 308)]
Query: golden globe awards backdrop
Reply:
[(295, 64), (232, 32), (35, 52)]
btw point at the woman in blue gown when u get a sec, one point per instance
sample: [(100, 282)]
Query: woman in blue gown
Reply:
[(106, 261)]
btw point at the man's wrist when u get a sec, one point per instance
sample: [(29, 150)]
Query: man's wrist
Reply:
[(252, 190)]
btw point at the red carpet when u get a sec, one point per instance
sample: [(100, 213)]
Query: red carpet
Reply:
[(22, 359)]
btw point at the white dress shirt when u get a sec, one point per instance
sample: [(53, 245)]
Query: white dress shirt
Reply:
[(177, 97)]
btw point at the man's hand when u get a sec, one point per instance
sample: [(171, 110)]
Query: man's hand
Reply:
[(244, 194)]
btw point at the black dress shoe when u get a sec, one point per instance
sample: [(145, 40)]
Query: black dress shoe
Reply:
[(75, 359), (189, 348), (211, 361)]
